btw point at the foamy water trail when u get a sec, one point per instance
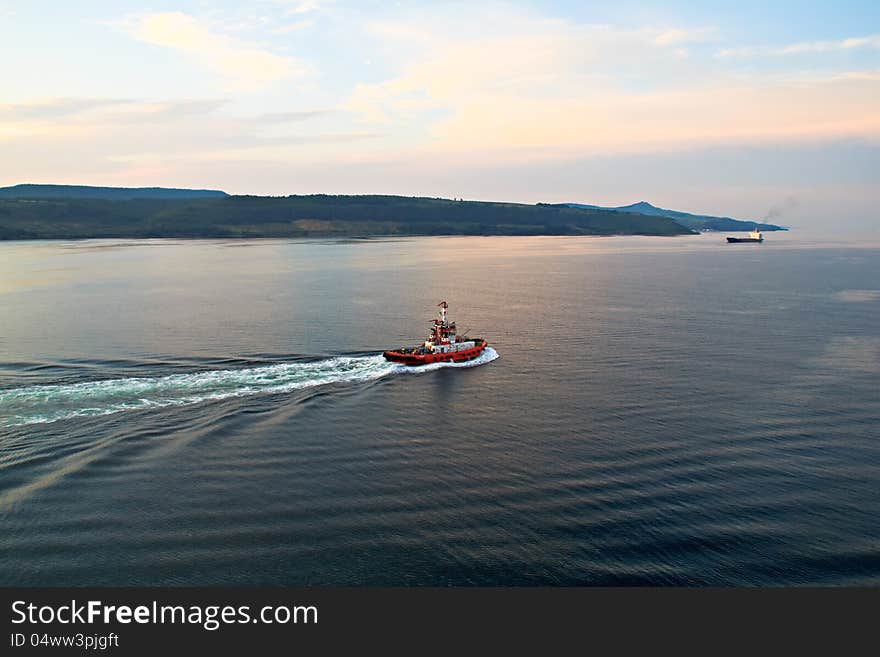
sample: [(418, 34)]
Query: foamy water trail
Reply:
[(50, 403)]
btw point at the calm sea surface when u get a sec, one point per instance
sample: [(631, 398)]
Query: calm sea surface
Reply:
[(662, 411)]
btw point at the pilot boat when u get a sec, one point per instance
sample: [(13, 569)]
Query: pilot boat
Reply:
[(443, 344)]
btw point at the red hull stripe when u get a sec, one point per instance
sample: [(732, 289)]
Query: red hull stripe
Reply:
[(425, 359)]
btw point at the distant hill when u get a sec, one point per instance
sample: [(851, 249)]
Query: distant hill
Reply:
[(316, 215), (692, 221), (106, 193)]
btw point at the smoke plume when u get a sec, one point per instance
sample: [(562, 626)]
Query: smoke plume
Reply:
[(777, 211)]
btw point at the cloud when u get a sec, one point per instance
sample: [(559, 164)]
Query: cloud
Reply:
[(187, 107), (297, 26), (873, 76), (61, 112), (288, 117), (852, 43), (55, 108), (241, 65), (37, 128), (323, 138), (306, 6), (123, 139), (678, 36), (550, 88)]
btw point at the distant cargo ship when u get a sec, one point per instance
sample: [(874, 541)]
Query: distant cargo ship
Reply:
[(443, 345), (754, 236)]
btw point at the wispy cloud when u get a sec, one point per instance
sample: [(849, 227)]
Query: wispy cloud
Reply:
[(679, 36), (149, 140), (306, 6), (297, 26), (290, 117), (872, 76), (65, 111), (803, 47), (243, 66), (300, 7), (161, 111), (55, 108), (552, 88)]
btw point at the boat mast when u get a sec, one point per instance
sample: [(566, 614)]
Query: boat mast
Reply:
[(441, 327)]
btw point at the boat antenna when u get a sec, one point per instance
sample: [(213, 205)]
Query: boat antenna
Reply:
[(443, 306)]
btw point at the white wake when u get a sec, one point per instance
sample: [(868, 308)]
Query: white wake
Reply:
[(50, 403)]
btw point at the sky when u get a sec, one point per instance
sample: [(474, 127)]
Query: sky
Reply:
[(746, 109)]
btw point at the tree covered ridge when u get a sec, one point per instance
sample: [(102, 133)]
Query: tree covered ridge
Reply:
[(316, 215)]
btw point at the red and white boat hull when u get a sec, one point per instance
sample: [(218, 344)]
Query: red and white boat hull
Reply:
[(410, 358)]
